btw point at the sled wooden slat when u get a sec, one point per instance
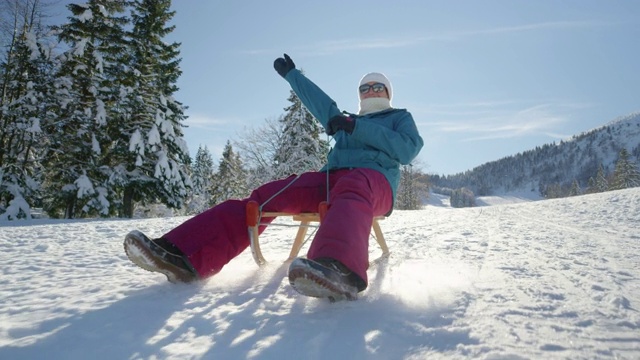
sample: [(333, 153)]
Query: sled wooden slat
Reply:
[(304, 220)]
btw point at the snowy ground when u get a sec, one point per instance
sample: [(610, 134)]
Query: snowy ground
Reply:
[(555, 279)]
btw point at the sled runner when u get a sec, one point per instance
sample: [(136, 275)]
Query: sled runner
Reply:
[(254, 214)]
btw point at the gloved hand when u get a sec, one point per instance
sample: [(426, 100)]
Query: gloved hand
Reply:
[(283, 66), (340, 122)]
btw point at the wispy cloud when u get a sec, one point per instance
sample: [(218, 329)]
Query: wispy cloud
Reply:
[(527, 28), (336, 46), (536, 120), (205, 122), (330, 47), (499, 120)]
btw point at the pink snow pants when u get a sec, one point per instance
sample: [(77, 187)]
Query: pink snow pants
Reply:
[(211, 239)]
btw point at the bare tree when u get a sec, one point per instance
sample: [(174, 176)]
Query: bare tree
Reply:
[(258, 148)]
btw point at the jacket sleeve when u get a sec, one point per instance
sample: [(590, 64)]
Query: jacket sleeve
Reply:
[(319, 104), (402, 143)]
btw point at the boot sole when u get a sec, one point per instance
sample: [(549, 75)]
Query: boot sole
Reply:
[(309, 283), (140, 255)]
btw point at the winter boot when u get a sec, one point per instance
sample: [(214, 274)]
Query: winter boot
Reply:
[(159, 255), (323, 278)]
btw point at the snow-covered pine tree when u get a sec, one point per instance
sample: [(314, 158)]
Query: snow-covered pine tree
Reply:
[(24, 85), (462, 197), (151, 151), (599, 183), (230, 182), (408, 192), (626, 174), (575, 189), (202, 173), (301, 148), (78, 171)]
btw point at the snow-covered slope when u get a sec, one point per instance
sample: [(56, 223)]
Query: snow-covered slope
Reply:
[(546, 279), (575, 159)]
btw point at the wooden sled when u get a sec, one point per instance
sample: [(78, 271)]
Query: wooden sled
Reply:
[(254, 214)]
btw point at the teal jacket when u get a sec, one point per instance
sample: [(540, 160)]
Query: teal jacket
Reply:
[(381, 141)]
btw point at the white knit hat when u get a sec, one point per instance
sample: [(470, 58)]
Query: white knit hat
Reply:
[(377, 77)]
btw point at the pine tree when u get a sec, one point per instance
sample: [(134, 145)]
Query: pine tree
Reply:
[(24, 88), (575, 189), (202, 178), (626, 174), (230, 182), (408, 196), (78, 172), (591, 186), (599, 183), (152, 154), (301, 148), (462, 197), (602, 184)]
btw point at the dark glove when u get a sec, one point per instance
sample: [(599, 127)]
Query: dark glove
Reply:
[(340, 122), (283, 66)]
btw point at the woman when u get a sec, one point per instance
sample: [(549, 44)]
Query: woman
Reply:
[(362, 175)]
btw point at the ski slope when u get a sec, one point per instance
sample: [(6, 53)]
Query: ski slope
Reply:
[(553, 279)]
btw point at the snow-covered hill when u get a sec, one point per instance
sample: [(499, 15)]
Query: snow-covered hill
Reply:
[(576, 159), (554, 279)]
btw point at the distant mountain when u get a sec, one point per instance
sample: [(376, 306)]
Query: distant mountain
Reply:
[(561, 164)]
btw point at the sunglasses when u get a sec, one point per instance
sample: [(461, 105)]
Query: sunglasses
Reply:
[(377, 87)]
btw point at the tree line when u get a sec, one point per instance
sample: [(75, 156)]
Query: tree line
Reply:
[(88, 121), (625, 175)]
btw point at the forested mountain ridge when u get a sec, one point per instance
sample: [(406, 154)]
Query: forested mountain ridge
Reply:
[(573, 161)]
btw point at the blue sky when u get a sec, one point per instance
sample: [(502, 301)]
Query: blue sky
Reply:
[(483, 79)]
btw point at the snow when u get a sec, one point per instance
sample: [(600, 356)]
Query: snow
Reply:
[(95, 145), (84, 185), (555, 279), (35, 126), (154, 137), (101, 113), (80, 46), (136, 143), (18, 206), (87, 15), (508, 198), (31, 41)]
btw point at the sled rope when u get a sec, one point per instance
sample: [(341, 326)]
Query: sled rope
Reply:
[(276, 194), (291, 183), (328, 163), (296, 178)]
